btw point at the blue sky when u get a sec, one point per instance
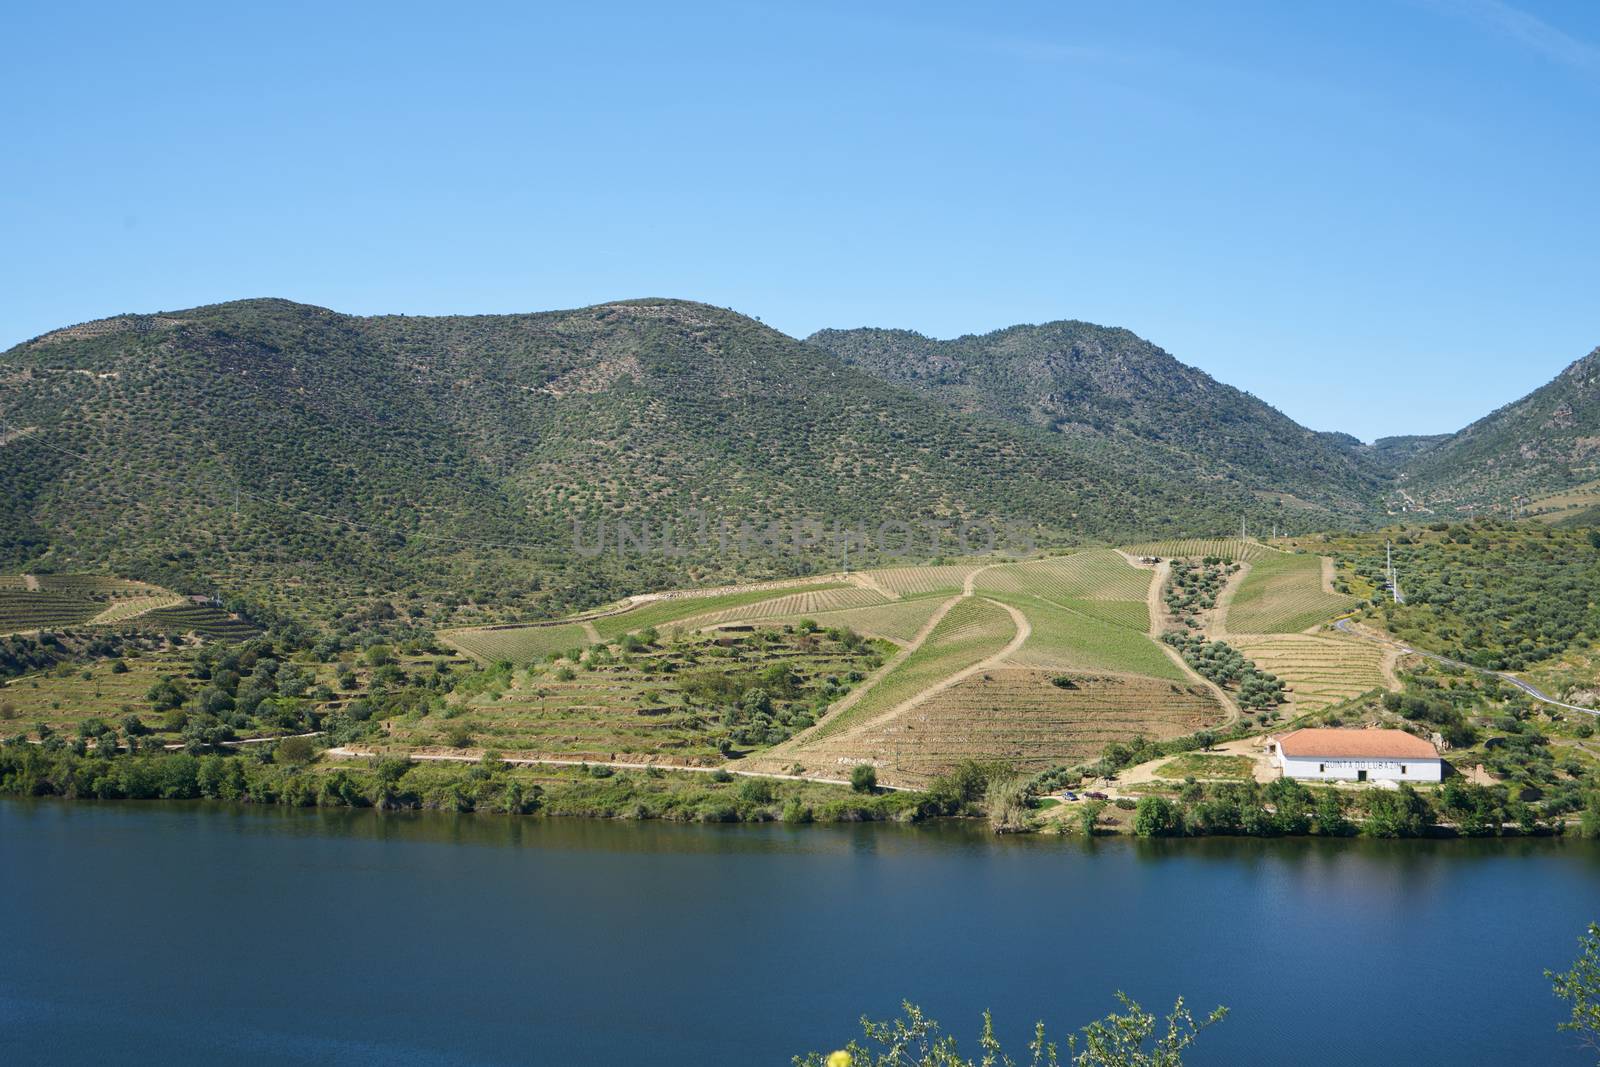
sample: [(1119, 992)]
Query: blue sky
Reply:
[(1383, 216)]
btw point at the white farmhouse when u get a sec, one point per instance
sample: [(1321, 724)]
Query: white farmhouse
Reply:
[(1371, 755)]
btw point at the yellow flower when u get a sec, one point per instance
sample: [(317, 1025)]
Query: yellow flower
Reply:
[(839, 1059)]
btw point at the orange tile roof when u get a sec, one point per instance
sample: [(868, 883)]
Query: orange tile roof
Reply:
[(1356, 744)]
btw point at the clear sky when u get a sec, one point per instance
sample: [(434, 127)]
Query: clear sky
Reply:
[(1383, 216)]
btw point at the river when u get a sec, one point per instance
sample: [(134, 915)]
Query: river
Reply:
[(201, 934)]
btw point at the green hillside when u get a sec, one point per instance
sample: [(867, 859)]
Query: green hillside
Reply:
[(1545, 442), (317, 462), (1091, 383)]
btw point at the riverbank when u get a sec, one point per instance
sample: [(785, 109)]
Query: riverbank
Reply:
[(297, 776)]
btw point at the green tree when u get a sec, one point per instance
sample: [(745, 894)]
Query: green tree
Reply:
[(864, 778), (295, 751), (1331, 820), (1580, 987), (1158, 817), (1401, 813)]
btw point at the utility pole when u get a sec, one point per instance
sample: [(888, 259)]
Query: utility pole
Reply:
[(1394, 579), (1243, 536)]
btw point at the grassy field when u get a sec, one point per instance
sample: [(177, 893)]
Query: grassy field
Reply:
[(1320, 670), (973, 630), (649, 704), (1017, 716), (1208, 766), (1200, 547), (1282, 594), (1068, 640)]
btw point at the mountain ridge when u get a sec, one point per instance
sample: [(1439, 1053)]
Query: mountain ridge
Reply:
[(1076, 377), (410, 447)]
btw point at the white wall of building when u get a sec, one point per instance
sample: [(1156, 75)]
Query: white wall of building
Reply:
[(1322, 768)]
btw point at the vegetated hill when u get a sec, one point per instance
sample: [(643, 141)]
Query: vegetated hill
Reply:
[(1094, 383), (1394, 453), (1549, 440), (311, 459)]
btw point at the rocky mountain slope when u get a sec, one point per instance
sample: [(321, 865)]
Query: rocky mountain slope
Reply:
[(1089, 383)]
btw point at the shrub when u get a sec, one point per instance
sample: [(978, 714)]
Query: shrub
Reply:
[(1157, 817), (756, 791), (1006, 804), (295, 751), (864, 778)]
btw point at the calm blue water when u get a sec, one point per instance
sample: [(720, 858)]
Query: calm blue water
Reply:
[(185, 934)]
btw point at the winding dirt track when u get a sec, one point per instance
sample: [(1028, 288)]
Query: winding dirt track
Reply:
[(989, 663), (1344, 627), (1158, 612), (968, 588)]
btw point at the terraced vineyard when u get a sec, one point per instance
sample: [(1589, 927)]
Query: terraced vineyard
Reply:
[(795, 606), (1067, 640), (536, 641), (96, 586), (1016, 715), (1200, 547), (60, 601), (923, 581), (122, 610), (678, 609), (22, 611), (201, 619), (1320, 670), (65, 697), (1088, 617), (1282, 593), (521, 645), (650, 705), (1100, 584), (1564, 505), (898, 620), (973, 630), (1096, 575)]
